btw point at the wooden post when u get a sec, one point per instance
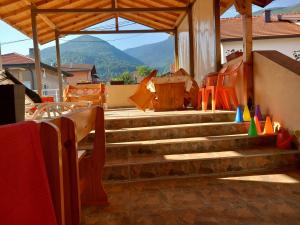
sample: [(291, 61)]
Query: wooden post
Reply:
[(58, 65), (247, 55), (191, 41), (36, 53), (176, 50), (217, 34)]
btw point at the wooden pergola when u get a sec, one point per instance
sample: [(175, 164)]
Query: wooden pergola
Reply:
[(47, 20)]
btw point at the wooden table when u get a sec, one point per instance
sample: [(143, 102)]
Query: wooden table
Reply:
[(169, 96)]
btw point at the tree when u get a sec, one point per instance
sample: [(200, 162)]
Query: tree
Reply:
[(143, 71), (126, 77)]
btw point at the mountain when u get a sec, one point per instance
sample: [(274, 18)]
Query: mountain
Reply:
[(109, 61), (281, 10), (158, 55)]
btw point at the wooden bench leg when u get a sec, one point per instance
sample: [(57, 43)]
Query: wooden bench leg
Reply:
[(92, 191)]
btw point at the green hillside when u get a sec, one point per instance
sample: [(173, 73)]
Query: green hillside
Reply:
[(281, 10), (109, 61), (158, 55)]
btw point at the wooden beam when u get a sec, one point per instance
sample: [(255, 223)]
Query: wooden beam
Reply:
[(36, 54), (115, 5), (191, 41), (43, 17), (217, 34), (176, 50), (64, 32), (111, 10), (58, 66), (247, 47)]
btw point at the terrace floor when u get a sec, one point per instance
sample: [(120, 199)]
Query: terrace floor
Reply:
[(230, 189), (270, 198)]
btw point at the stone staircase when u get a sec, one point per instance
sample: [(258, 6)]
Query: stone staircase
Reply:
[(186, 145)]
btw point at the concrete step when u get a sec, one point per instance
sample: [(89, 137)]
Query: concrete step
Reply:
[(200, 164), (147, 119), (122, 150), (174, 131)]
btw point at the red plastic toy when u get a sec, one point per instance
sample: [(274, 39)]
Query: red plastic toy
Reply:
[(284, 139)]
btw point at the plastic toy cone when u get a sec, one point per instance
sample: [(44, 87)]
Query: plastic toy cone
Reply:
[(268, 126), (257, 124), (252, 129), (246, 114), (258, 113), (239, 115)]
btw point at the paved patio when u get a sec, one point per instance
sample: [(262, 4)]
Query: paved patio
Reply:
[(272, 198)]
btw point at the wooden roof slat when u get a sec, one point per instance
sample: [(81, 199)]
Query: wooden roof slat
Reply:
[(156, 14), (9, 13), (81, 25), (137, 3), (143, 21), (76, 22), (162, 17), (58, 19)]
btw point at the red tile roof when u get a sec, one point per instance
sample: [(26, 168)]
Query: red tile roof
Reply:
[(232, 28), (15, 58), (77, 67)]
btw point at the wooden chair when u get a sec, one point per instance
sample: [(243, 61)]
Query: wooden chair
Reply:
[(85, 92), (80, 179), (142, 98)]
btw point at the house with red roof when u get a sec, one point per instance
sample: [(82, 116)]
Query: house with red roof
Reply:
[(23, 68), (82, 73), (270, 32)]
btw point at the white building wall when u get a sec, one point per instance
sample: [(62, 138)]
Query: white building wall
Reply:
[(284, 45)]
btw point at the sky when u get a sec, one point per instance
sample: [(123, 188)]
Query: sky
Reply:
[(121, 41)]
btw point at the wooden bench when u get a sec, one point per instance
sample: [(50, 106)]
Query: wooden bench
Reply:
[(85, 92), (75, 176)]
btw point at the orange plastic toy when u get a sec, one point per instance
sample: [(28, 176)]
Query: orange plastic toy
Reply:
[(268, 126), (257, 124)]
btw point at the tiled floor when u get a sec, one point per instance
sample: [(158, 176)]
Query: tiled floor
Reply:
[(252, 199)]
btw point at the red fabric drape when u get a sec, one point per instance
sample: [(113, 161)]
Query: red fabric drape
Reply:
[(25, 197)]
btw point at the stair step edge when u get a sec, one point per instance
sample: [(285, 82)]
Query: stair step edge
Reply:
[(174, 126), (219, 175), (156, 161), (190, 139)]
